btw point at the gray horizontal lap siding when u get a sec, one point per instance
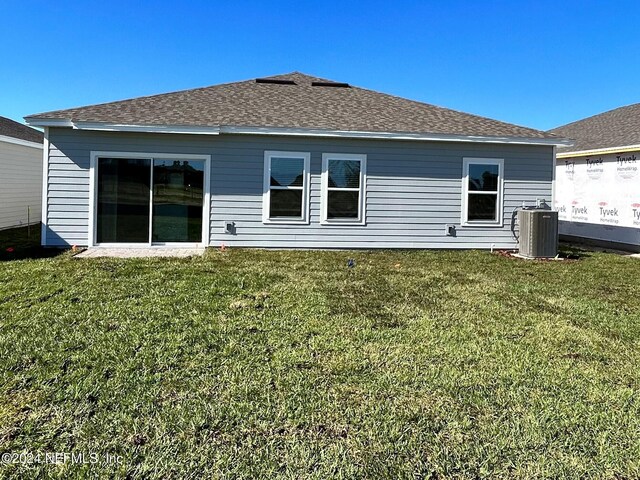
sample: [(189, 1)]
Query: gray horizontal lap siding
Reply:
[(413, 188)]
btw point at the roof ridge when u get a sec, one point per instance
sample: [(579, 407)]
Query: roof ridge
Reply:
[(36, 115), (302, 74)]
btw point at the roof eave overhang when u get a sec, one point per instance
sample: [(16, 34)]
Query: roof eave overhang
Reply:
[(119, 127), (48, 122), (20, 141), (285, 131), (430, 137), (598, 151)]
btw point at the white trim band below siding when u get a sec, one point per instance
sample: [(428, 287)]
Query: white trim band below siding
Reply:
[(301, 132), (19, 141)]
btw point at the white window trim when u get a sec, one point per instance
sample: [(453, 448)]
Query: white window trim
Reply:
[(266, 188), (465, 192), (93, 198), (362, 158)]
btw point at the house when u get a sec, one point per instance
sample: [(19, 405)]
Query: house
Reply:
[(289, 161), (598, 180), (21, 177)]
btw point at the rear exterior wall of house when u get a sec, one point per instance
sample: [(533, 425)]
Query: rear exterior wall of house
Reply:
[(413, 188)]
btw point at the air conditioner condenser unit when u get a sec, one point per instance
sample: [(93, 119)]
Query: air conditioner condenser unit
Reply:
[(538, 233)]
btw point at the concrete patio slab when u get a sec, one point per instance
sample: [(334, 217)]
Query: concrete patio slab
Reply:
[(96, 252)]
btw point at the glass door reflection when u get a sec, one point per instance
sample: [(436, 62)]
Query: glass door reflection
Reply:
[(178, 194), (123, 200)]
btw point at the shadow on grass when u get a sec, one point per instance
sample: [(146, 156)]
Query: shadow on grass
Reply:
[(24, 243), (572, 253), (593, 246)]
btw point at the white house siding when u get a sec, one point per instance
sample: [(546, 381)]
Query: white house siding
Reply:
[(413, 188), (598, 199), (20, 184)]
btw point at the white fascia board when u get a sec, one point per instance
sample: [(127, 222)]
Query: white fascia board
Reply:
[(598, 151), (48, 122), (310, 132), (113, 127), (19, 141), (116, 127)]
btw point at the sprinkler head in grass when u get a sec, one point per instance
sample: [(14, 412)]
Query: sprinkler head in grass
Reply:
[(351, 263)]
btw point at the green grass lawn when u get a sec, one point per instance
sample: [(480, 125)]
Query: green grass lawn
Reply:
[(245, 364)]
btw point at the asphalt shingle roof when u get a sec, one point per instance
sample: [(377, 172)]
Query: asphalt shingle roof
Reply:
[(10, 128), (301, 105), (616, 128)]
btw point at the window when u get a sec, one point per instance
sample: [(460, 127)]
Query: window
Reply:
[(482, 191), (343, 192), (286, 187)]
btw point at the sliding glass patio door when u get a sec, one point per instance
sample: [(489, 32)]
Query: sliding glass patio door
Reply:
[(149, 200), (123, 200), (178, 192)]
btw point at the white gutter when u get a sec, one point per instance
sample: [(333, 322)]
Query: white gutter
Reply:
[(430, 137), (117, 127), (19, 141), (48, 122), (108, 127), (302, 132), (598, 151)]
